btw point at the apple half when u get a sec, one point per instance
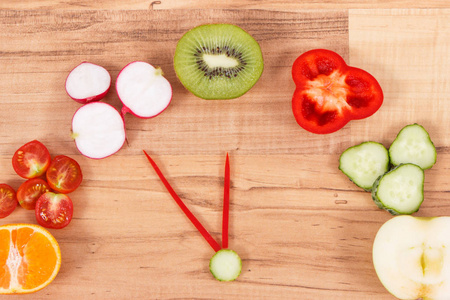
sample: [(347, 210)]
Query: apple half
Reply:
[(411, 256)]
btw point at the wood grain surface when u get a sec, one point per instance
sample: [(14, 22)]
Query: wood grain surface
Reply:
[(228, 4), (302, 229)]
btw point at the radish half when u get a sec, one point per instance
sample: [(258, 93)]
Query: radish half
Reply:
[(98, 130), (143, 90), (88, 82)]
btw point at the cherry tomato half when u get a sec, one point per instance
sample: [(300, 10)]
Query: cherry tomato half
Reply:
[(31, 160), (8, 200), (30, 191), (54, 210), (64, 174)]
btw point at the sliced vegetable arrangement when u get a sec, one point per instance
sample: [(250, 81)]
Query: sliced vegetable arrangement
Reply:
[(46, 195), (222, 61), (226, 264), (329, 93), (400, 190)]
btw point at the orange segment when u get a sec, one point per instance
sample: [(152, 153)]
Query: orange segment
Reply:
[(5, 238), (30, 258)]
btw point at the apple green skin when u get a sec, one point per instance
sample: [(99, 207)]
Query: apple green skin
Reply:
[(411, 257)]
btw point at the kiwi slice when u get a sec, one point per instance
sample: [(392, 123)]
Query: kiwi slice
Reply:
[(218, 61)]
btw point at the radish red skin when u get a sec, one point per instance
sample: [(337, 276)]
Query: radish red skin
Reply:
[(125, 109), (123, 123), (92, 98)]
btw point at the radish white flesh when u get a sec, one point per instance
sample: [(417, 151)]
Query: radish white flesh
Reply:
[(143, 90), (98, 130), (88, 82)]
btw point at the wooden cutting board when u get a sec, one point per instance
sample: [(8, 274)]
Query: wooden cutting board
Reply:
[(302, 229)]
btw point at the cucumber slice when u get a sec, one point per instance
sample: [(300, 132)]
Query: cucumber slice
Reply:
[(400, 191), (364, 163), (413, 145), (225, 265)]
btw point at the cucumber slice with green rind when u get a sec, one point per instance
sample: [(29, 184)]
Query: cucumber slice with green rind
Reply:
[(364, 163), (400, 191), (413, 145), (225, 265)]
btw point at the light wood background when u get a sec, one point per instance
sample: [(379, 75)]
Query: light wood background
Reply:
[(302, 229)]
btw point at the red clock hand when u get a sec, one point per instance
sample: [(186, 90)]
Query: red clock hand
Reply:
[(226, 204), (183, 207)]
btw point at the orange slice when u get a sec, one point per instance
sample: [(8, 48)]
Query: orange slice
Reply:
[(30, 258)]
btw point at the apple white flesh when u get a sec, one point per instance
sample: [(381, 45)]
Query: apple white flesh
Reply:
[(98, 130), (411, 256), (143, 90), (88, 82)]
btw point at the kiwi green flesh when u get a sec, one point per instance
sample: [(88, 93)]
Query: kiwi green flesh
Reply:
[(218, 61)]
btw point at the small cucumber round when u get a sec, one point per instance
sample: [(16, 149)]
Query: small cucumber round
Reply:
[(413, 145), (364, 163), (225, 265), (400, 191)]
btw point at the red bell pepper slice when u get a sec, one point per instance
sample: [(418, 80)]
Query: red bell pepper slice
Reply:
[(329, 93)]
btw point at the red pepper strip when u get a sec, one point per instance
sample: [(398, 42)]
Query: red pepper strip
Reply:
[(226, 204), (329, 93), (183, 207)]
